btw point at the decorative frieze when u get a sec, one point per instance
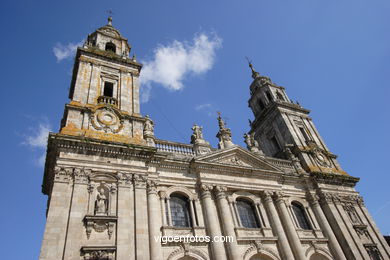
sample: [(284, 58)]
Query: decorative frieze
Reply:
[(98, 252)]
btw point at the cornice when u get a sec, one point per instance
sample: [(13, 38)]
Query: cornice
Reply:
[(110, 57), (334, 179)]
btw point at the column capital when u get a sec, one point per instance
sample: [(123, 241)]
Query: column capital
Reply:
[(220, 192), (312, 198), (124, 179), (139, 181), (267, 195), (163, 194), (151, 186), (63, 174), (279, 197), (81, 175), (205, 190)]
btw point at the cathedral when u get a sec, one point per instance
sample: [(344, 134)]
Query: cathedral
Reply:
[(118, 192)]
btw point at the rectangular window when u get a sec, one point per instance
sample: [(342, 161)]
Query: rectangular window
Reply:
[(108, 89), (304, 134)]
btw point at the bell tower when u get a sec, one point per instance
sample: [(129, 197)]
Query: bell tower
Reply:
[(282, 126), (103, 148), (104, 93)]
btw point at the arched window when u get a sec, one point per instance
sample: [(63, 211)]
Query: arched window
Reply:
[(108, 89), (300, 214), (110, 47), (180, 212), (247, 213)]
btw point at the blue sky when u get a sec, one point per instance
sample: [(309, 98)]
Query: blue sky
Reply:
[(332, 56)]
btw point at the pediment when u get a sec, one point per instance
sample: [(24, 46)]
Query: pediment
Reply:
[(236, 157)]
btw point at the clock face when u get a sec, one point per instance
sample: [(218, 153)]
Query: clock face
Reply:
[(107, 120)]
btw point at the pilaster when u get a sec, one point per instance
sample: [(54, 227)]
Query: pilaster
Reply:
[(141, 218)]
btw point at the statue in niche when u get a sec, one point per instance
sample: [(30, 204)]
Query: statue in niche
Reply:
[(101, 204)]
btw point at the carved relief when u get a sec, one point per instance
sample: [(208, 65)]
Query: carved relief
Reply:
[(99, 225), (107, 119), (93, 253)]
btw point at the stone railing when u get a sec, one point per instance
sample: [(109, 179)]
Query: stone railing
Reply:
[(107, 100), (280, 163), (173, 147)]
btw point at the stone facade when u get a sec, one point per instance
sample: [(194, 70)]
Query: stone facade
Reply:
[(113, 187)]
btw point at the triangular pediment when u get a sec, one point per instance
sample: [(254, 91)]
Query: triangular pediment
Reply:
[(237, 157)]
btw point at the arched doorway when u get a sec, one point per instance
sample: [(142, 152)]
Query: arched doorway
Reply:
[(260, 257), (318, 256)]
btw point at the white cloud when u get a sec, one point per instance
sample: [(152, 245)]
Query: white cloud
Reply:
[(207, 108), (65, 51), (171, 63), (38, 137), (202, 106)]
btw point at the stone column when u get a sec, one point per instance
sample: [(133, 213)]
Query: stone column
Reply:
[(289, 227), (212, 223), (199, 212), (125, 236), (141, 218), (227, 223), (57, 217), (325, 227), (192, 212), (233, 212), (169, 212), (162, 208), (154, 221), (237, 214), (277, 227)]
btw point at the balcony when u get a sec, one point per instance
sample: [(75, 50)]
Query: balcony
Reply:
[(107, 100)]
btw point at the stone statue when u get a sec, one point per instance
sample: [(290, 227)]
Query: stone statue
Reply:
[(252, 144), (200, 146), (148, 125), (101, 205), (197, 133), (149, 131)]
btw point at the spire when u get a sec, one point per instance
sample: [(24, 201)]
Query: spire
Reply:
[(110, 20)]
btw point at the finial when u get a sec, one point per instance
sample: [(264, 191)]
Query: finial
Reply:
[(255, 74), (221, 123), (110, 13)]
